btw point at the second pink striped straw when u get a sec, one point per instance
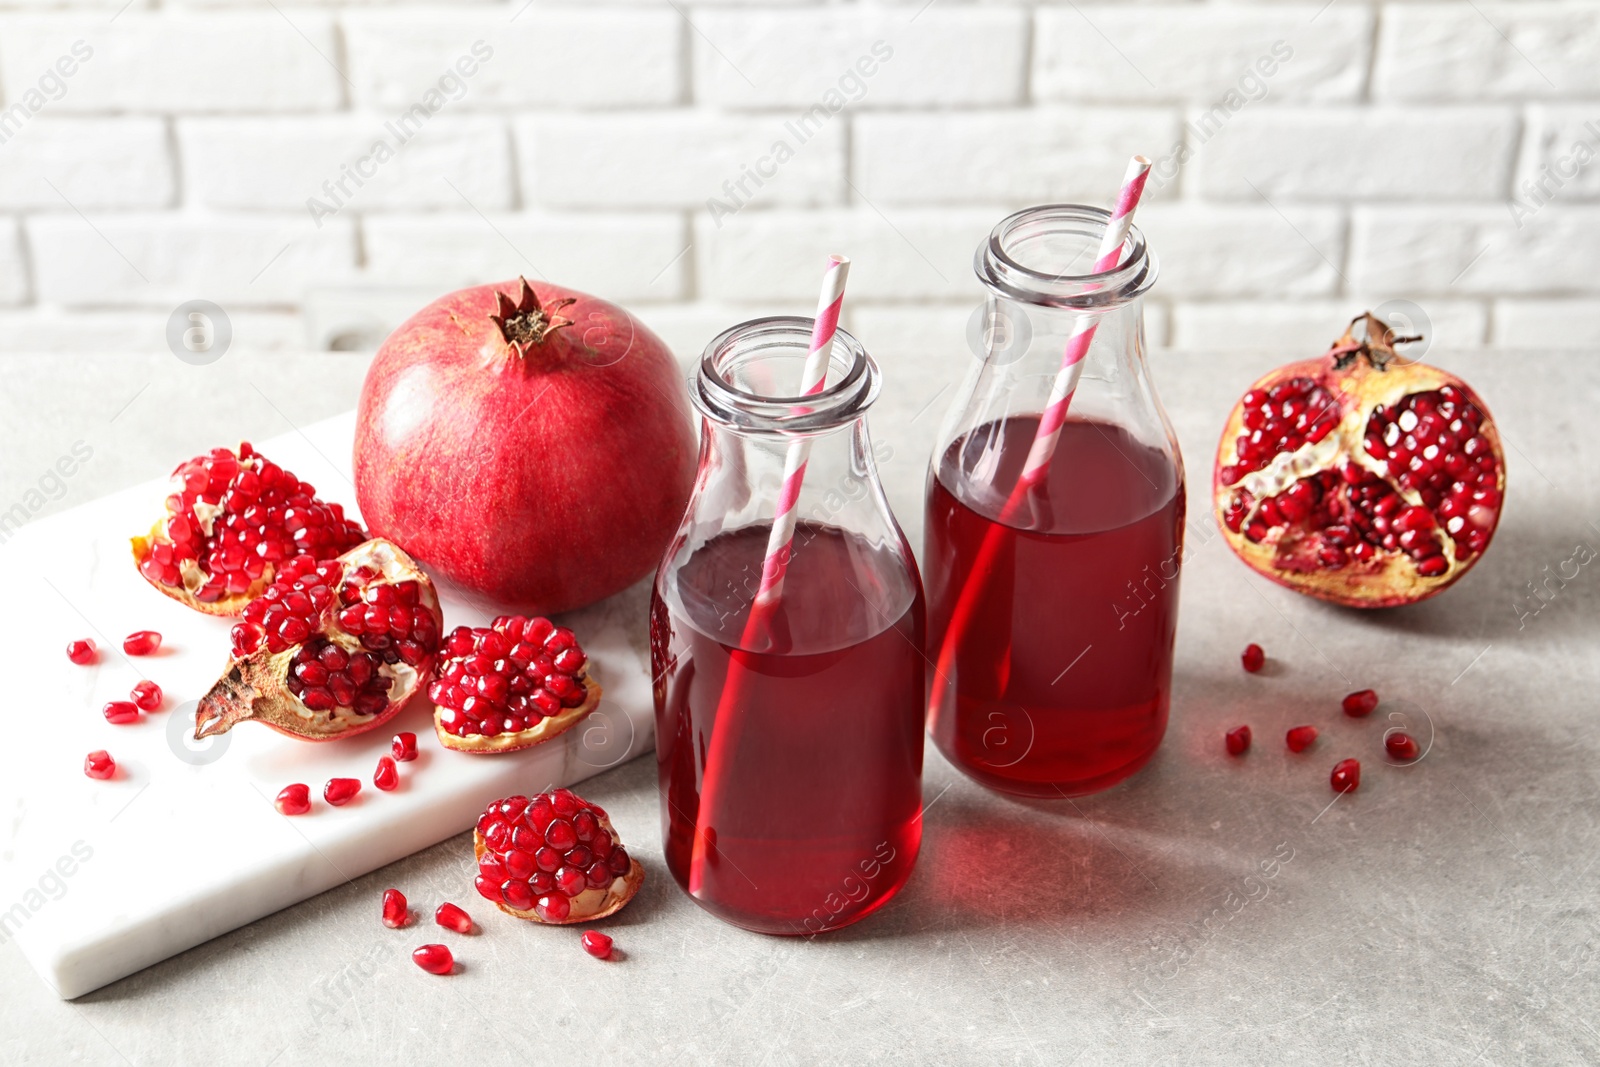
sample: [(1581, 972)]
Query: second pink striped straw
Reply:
[(727, 725)]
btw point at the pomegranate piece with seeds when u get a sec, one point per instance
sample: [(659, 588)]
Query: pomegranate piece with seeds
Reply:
[(404, 747), (554, 859), (1238, 740), (597, 944), (233, 518), (386, 777), (82, 652), (340, 791), (435, 959), (509, 686), (1360, 704), (294, 799), (1346, 777), (330, 649), (147, 695), (121, 712), (1253, 658), (1299, 738), (395, 912), (99, 764), (1402, 746), (452, 917), (141, 643), (1358, 477)]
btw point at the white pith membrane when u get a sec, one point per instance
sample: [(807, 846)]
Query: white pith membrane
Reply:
[(255, 686), (1288, 549)]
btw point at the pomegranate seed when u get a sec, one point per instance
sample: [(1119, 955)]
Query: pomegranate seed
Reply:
[(141, 642), (121, 712), (1238, 740), (453, 918), (147, 695), (597, 944), (553, 908), (1360, 704), (1401, 746), (395, 912), (435, 959), (1299, 739), (505, 678), (386, 777), (99, 764), (404, 747), (1346, 776), (293, 799), (1253, 658), (82, 652), (339, 791)]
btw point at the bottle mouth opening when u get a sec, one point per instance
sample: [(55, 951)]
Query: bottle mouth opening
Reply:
[(749, 378), (1045, 255)]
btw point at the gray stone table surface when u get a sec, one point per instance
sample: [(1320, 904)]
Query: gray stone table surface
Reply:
[(1209, 910)]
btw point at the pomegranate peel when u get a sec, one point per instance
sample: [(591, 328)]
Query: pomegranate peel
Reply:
[(1359, 477), (232, 518), (320, 672)]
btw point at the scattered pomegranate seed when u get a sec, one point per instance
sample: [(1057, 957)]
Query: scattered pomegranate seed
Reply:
[(294, 799), (394, 909), (1253, 658), (404, 747), (1299, 739), (1238, 740), (1402, 745), (147, 695), (1346, 776), (1360, 704), (99, 764), (386, 777), (82, 652), (121, 712), (339, 791), (141, 642), (453, 918), (435, 959), (596, 944)]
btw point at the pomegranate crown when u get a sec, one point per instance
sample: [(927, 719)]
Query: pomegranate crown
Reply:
[(525, 323), (1376, 344)]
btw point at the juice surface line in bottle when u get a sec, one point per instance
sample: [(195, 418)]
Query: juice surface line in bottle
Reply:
[(790, 760), (1052, 608)]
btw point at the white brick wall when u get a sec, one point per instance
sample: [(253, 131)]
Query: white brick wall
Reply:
[(697, 159)]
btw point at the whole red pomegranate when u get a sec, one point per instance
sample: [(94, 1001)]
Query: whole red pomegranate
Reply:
[(1359, 477), (529, 442)]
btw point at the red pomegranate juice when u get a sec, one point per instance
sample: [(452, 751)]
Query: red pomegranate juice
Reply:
[(818, 817), (1060, 679)]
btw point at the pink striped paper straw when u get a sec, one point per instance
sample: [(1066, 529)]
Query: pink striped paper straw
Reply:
[(1066, 381), (812, 379), (1044, 440), (725, 728)]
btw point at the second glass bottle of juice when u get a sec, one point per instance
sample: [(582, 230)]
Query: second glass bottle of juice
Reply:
[(1052, 606), (789, 749)]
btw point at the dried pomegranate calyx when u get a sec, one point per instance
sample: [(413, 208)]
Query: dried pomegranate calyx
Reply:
[(525, 323), (315, 678)]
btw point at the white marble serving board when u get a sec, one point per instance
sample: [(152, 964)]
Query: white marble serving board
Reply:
[(101, 879)]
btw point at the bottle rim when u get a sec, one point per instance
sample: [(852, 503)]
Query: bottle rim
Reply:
[(1000, 267), (853, 379)]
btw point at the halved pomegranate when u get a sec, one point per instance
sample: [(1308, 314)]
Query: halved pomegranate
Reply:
[(553, 859), (232, 519), (1358, 477), (330, 649), (511, 685)]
